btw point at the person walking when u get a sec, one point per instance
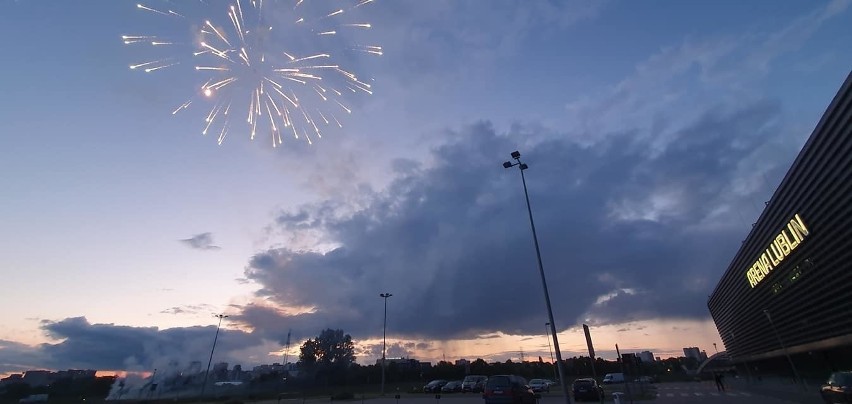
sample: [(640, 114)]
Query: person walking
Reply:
[(720, 383)]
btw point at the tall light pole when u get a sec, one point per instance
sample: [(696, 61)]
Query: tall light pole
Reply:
[(384, 336), (218, 326), (547, 333), (784, 347), (517, 156)]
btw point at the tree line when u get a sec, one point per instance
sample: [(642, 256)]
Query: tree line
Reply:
[(329, 360)]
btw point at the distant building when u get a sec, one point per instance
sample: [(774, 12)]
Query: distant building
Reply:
[(236, 373), (37, 378), (462, 362), (193, 368), (400, 363), (646, 356), (13, 378), (692, 352), (76, 374), (219, 372), (278, 368)]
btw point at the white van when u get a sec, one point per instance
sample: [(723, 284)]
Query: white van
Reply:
[(613, 378)]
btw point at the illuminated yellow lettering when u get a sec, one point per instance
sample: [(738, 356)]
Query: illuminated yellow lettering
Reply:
[(798, 228), (759, 275), (772, 259), (778, 249), (759, 267), (776, 252), (755, 269), (793, 243), (782, 243), (764, 260)]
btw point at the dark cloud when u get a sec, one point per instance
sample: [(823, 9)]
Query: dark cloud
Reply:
[(393, 350), (188, 309), (18, 357), (202, 241), (112, 347), (628, 230)]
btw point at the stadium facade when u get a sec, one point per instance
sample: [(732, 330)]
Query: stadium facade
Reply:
[(784, 305)]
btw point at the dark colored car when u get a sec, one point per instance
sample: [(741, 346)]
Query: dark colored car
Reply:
[(434, 386), (508, 389), (587, 389), (454, 386), (838, 388), (646, 379), (474, 383)]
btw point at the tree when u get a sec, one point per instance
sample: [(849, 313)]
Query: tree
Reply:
[(328, 355)]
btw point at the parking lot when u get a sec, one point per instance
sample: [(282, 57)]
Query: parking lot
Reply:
[(666, 393)]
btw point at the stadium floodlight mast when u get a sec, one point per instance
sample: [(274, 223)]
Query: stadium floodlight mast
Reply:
[(784, 348), (209, 361), (517, 156), (547, 334), (384, 335)]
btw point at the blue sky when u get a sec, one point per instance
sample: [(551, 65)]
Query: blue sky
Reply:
[(654, 131)]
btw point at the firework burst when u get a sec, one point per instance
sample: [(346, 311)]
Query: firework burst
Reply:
[(265, 66)]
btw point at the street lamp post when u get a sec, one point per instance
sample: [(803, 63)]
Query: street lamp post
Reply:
[(784, 347), (547, 333), (517, 156), (203, 385), (384, 335)]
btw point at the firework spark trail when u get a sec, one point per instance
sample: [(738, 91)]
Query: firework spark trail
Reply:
[(238, 56)]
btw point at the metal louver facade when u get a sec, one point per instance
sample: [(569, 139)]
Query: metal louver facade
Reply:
[(793, 273)]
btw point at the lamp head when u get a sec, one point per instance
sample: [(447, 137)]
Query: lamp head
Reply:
[(516, 154), (507, 164), (524, 166)]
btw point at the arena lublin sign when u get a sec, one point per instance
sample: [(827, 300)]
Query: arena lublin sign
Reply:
[(784, 243)]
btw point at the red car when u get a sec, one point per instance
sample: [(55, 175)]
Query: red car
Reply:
[(508, 389)]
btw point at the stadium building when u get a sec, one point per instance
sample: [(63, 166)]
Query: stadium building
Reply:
[(784, 305)]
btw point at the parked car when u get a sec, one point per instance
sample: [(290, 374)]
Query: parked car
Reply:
[(613, 378), (587, 389), (474, 383), (646, 379), (454, 386), (550, 383), (539, 385), (838, 388), (508, 389), (434, 386)]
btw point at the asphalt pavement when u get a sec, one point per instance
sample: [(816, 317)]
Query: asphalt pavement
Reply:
[(666, 393)]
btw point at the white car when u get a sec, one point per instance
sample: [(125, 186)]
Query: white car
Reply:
[(613, 378), (539, 385)]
